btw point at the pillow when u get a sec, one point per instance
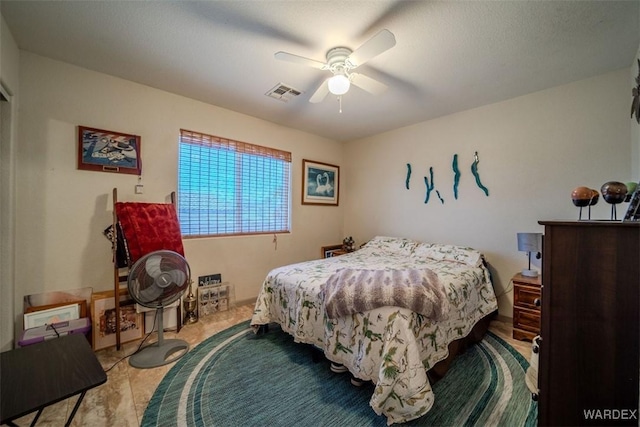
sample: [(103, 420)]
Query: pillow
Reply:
[(442, 252), (398, 245)]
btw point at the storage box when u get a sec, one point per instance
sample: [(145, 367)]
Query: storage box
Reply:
[(54, 330)]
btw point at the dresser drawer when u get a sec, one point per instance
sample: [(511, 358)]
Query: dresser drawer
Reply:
[(528, 320), (526, 296)]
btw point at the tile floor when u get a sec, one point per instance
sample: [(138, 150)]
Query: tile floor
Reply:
[(122, 400)]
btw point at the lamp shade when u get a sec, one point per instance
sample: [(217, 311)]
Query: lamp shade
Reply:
[(339, 84), (529, 242)]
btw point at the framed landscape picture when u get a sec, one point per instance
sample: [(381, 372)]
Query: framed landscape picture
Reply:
[(321, 183), (108, 151)]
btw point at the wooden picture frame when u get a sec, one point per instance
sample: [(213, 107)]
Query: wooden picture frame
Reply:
[(320, 183), (108, 151), (330, 251), (103, 319), (81, 303), (52, 299), (51, 315)]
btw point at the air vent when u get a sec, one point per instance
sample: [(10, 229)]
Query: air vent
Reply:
[(283, 92)]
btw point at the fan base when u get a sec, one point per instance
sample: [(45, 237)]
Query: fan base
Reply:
[(156, 354)]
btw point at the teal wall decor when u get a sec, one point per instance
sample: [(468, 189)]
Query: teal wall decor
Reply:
[(456, 176), (474, 171), (429, 185)]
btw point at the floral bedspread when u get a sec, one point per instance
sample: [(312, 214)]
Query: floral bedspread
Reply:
[(391, 346)]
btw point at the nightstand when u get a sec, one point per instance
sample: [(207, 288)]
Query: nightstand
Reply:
[(526, 307)]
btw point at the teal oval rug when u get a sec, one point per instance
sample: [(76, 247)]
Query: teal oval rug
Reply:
[(237, 378)]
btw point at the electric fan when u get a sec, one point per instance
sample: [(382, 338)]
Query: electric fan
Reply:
[(155, 281)]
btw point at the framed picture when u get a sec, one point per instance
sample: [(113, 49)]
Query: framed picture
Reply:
[(35, 302), (321, 183), (213, 298), (108, 151), (82, 306), (330, 251), (103, 319), (51, 315)]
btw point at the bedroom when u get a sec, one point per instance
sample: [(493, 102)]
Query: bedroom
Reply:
[(534, 149)]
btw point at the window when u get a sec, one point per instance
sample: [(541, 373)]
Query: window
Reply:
[(228, 187)]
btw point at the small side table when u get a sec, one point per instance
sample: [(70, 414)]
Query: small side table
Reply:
[(39, 375), (526, 307)]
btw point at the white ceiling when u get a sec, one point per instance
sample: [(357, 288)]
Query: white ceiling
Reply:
[(450, 56)]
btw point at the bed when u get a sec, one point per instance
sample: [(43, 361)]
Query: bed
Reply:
[(389, 344)]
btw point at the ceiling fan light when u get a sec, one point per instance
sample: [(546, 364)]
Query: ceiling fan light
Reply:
[(339, 84)]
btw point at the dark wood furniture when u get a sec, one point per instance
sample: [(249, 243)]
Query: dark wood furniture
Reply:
[(331, 251), (589, 353), (39, 375), (526, 307)]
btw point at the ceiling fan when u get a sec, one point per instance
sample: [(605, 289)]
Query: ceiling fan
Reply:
[(341, 61)]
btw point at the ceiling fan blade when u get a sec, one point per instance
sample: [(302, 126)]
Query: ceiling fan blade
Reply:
[(290, 57), (377, 44), (320, 93), (367, 83)]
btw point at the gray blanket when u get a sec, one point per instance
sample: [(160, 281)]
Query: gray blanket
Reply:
[(351, 291)]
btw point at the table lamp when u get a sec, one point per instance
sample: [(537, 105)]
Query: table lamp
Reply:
[(529, 242)]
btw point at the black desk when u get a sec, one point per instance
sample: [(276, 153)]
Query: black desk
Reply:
[(39, 375)]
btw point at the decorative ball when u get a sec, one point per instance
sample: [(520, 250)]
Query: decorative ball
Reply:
[(581, 196), (595, 196), (613, 192)]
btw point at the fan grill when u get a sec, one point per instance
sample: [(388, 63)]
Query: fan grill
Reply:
[(158, 279)]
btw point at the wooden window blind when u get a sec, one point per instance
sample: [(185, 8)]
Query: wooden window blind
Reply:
[(228, 187)]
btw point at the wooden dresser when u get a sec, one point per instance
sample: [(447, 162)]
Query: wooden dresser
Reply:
[(526, 307), (589, 352)]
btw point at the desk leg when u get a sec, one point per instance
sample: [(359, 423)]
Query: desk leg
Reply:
[(35, 420), (75, 409)]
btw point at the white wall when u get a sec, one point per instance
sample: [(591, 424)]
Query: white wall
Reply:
[(533, 150), (9, 72), (62, 211)]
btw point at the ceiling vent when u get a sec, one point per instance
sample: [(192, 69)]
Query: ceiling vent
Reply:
[(283, 92)]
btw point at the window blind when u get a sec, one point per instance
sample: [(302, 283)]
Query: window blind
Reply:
[(228, 187)]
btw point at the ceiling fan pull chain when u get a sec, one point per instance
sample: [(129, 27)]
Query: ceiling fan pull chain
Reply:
[(340, 102)]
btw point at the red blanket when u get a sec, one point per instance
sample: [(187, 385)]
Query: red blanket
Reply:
[(149, 227)]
